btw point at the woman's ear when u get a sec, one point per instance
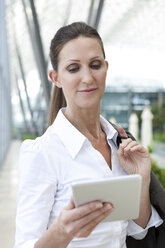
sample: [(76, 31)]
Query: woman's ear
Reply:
[(54, 78), (107, 64)]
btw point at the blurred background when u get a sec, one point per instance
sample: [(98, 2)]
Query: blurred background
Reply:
[(133, 33)]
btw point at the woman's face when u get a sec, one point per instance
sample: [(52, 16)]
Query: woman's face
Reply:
[(81, 73)]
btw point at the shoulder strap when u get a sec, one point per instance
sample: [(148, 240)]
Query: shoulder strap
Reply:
[(118, 140)]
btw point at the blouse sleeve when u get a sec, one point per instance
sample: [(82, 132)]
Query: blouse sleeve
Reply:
[(37, 189), (137, 231)]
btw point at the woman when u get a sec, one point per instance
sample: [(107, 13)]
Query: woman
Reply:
[(78, 145)]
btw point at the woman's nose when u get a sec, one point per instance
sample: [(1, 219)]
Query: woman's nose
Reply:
[(87, 76)]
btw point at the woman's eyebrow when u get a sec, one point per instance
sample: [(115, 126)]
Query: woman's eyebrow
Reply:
[(78, 60), (71, 60), (96, 57)]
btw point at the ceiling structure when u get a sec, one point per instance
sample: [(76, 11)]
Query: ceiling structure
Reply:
[(133, 33), (125, 27)]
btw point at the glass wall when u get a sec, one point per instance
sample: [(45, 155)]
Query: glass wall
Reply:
[(5, 106)]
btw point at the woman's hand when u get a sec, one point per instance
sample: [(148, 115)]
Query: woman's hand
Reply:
[(133, 157), (80, 221), (74, 222)]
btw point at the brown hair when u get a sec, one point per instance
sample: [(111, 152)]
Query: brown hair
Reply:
[(62, 36)]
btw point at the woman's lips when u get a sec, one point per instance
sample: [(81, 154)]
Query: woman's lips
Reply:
[(87, 90)]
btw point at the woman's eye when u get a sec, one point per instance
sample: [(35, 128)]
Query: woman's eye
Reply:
[(73, 68), (96, 66)]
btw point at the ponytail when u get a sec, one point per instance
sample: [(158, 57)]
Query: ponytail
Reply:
[(57, 101)]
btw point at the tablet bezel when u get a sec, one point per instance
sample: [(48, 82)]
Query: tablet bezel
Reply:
[(123, 191)]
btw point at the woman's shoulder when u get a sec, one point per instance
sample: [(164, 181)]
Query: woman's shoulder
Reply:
[(36, 156), (40, 143), (32, 152), (32, 145)]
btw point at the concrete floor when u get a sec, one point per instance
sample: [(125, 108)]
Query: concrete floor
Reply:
[(8, 192)]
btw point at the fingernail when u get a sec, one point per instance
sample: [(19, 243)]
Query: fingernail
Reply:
[(99, 205), (107, 207)]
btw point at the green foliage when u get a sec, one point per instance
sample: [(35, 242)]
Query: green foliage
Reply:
[(159, 172), (158, 116), (150, 149), (27, 136), (159, 137)]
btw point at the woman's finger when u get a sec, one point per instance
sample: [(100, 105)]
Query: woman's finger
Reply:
[(81, 211), (93, 215), (122, 146), (139, 148), (88, 228), (122, 132), (71, 204), (126, 142), (127, 147)]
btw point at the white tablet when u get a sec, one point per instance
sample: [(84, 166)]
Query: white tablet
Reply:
[(122, 191)]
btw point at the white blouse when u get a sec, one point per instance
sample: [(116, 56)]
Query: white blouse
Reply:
[(47, 167)]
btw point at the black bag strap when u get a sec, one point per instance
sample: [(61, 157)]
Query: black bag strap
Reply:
[(118, 140)]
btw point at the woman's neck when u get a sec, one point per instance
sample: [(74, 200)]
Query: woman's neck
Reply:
[(86, 121)]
